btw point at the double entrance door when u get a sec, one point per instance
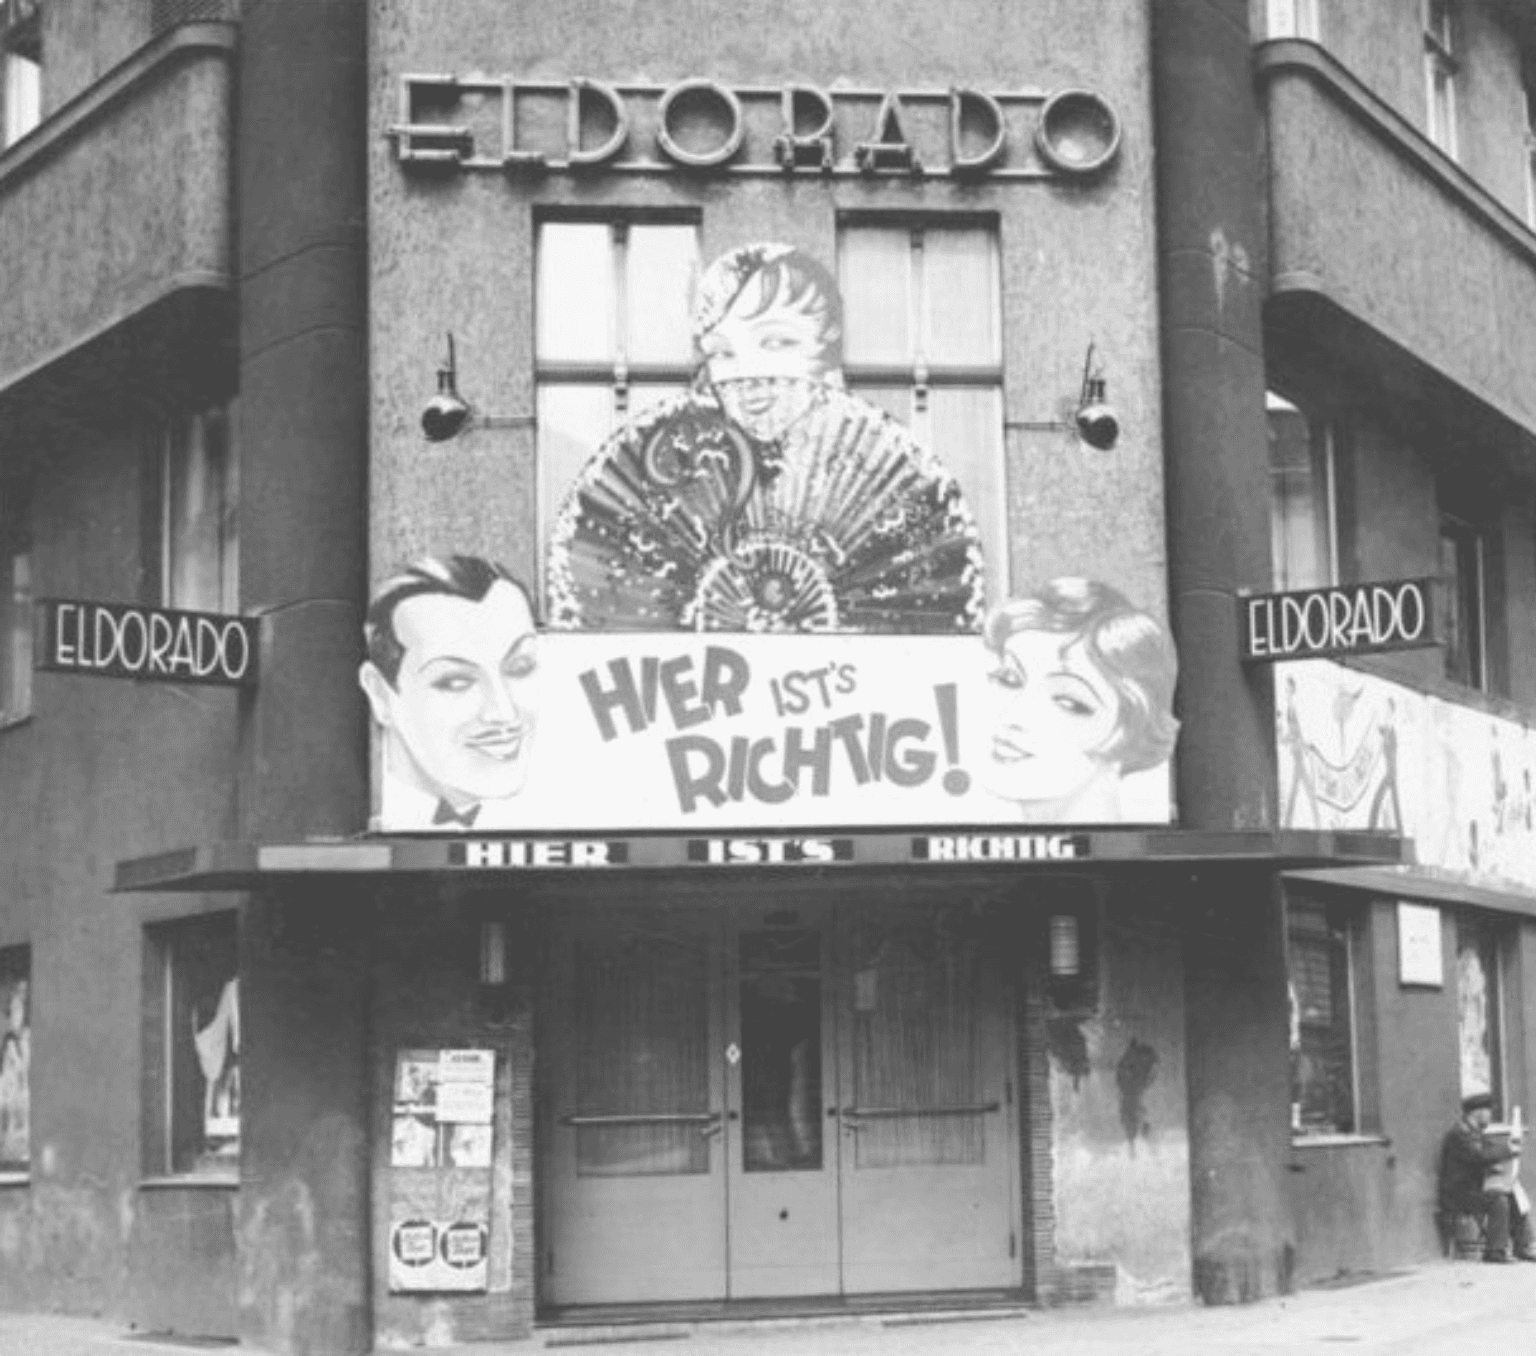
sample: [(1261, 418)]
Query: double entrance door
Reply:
[(776, 1098)]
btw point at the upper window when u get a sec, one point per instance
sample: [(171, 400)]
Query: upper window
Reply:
[(21, 74), (192, 1048), (1292, 19), (198, 545), (1303, 521), (1480, 1007), (1321, 945), (923, 340), (15, 624), (15, 1060), (613, 335), (1463, 567), (1440, 68)]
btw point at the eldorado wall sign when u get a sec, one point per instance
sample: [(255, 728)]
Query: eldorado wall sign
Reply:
[(1345, 619), (120, 640)]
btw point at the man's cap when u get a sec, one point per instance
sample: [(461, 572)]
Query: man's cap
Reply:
[(1477, 1101)]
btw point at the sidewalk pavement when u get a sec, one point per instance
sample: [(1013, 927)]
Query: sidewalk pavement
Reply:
[(1432, 1310)]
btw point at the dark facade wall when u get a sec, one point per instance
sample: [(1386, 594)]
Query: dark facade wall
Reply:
[(1382, 43), (83, 40), (300, 428), (1243, 1236), (105, 769), (1213, 268)]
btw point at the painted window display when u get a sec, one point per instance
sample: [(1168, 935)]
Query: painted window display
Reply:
[(15, 1060), (1359, 752), (193, 1010), (766, 594), (1478, 1008), (767, 498)]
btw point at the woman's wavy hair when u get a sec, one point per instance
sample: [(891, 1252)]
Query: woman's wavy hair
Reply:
[(1130, 648)]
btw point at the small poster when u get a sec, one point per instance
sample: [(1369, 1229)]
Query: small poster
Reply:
[(1418, 946), (440, 1154)]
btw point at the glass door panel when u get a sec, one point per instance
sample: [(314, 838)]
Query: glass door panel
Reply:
[(927, 1119), (783, 1179), (637, 1098)]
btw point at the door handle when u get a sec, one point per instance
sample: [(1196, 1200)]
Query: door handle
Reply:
[(711, 1127)]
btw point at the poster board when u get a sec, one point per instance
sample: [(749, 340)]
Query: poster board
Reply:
[(441, 1140), (1419, 958)]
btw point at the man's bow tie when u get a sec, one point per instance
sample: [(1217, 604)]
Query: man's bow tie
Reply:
[(446, 814)]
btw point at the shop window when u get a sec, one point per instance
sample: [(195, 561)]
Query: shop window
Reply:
[(1440, 71), (1328, 1095), (21, 73), (15, 1060), (1464, 551), (1292, 19), (613, 334), (197, 494), (1303, 518), (192, 1048), (1480, 1007), (15, 624), (922, 314)]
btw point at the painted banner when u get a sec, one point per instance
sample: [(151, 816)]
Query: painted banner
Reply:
[(767, 606), (440, 1170), (1359, 752), (492, 726)]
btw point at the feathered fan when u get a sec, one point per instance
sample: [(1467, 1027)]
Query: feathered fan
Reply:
[(841, 524)]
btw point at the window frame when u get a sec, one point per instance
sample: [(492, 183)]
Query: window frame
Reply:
[(165, 1099), (1467, 594), (1494, 939), (618, 375), (1322, 443), (171, 464), (1441, 67), (924, 373), (21, 54), (16, 965), (16, 640), (1351, 922), (1293, 19)]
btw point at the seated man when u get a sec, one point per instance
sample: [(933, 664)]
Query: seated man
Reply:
[(1466, 1159)]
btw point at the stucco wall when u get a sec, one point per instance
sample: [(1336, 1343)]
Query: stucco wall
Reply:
[(1383, 44), (1415, 259), (107, 215), (1119, 1112), (454, 253)]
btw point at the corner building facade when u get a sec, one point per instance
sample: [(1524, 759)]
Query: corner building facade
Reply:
[(757, 861)]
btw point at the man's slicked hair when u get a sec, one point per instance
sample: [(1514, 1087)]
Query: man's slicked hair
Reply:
[(467, 577)]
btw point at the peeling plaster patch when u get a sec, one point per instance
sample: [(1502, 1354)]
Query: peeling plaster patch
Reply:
[(1144, 1294), (10, 1237), (1069, 1047), (1226, 256), (126, 1202), (1133, 1076), (48, 1160)]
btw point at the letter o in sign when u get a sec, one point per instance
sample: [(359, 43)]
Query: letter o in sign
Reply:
[(700, 93)]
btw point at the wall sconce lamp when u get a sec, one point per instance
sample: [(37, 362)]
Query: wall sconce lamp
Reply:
[(1066, 946), (1091, 419), (493, 953), (446, 413)]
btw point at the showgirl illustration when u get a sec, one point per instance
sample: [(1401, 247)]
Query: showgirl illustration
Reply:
[(768, 498), (1084, 683)]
